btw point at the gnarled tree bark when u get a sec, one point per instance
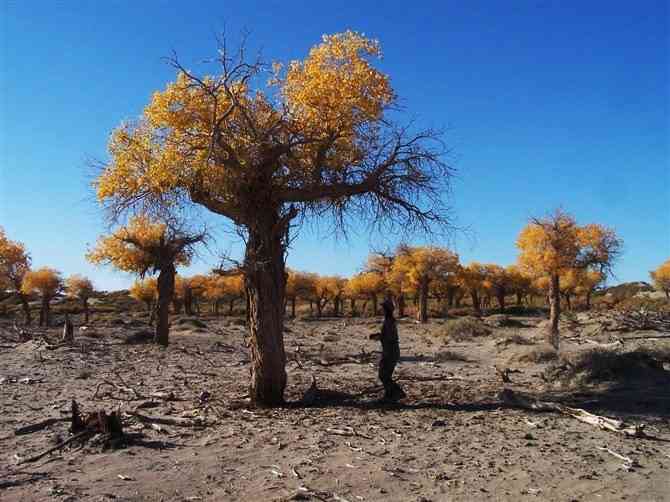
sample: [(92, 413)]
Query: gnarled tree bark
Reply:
[(265, 282)]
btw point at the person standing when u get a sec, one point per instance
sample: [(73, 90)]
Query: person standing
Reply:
[(390, 353)]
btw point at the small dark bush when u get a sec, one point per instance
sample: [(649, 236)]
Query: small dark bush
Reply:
[(465, 328), (189, 323), (601, 365), (515, 339), (540, 354), (449, 355)]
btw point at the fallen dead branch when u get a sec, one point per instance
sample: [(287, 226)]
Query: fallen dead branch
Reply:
[(514, 399), (176, 421), (628, 462), (84, 428), (60, 445), (29, 429), (642, 320)]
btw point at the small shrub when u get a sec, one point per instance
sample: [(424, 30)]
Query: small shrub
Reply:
[(449, 355), (460, 312), (465, 328), (540, 354), (515, 339), (603, 365), (190, 323)]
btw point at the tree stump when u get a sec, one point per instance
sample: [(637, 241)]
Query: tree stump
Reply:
[(68, 330)]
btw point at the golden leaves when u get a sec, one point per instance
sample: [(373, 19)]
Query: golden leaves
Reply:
[(661, 276), (134, 248), (78, 286), (45, 281)]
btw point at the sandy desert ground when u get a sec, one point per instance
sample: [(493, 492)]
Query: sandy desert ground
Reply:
[(452, 438)]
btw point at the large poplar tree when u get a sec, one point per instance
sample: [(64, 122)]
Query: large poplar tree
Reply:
[(316, 138)]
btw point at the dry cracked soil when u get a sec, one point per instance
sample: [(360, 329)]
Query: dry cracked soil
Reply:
[(451, 438)]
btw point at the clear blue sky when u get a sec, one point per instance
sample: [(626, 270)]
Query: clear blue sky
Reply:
[(546, 103)]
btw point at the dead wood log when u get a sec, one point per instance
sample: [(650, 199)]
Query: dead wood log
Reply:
[(84, 428), (29, 429), (176, 421), (514, 399), (60, 445)]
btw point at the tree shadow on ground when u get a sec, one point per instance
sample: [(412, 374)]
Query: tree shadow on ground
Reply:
[(636, 402), (631, 400)]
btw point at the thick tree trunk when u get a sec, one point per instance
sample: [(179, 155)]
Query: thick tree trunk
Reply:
[(45, 315), (231, 306), (476, 302), (401, 305), (319, 307), (352, 306), (422, 314), (265, 282), (165, 294), (293, 307), (501, 301), (188, 302), (374, 305), (451, 293), (336, 306), (554, 312), (26, 309), (85, 302), (588, 300)]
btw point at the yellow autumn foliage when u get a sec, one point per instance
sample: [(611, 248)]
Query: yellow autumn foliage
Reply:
[(661, 277), (140, 255), (46, 282)]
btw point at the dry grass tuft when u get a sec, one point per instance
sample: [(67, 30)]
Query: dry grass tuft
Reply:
[(464, 329), (542, 353), (602, 365)]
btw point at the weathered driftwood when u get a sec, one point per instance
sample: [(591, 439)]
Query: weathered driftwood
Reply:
[(84, 428), (627, 461), (60, 445), (517, 400), (176, 421), (29, 429)]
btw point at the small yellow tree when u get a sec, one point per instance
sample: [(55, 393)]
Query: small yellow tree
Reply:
[(661, 278), (215, 291), (14, 264), (299, 285), (419, 266), (588, 282), (81, 288), (471, 279), (197, 286), (552, 245), (367, 285), (519, 283), (498, 282), (47, 283), (146, 291), (146, 247)]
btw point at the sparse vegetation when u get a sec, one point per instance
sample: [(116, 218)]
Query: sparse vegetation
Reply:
[(604, 365), (464, 329), (542, 353)]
